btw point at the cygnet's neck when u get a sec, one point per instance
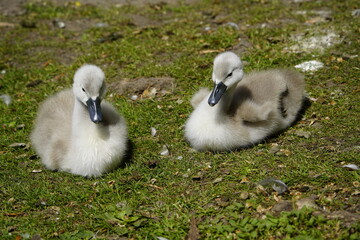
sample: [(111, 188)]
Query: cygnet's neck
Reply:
[(80, 118)]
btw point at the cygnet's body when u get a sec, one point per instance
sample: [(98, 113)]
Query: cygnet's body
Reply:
[(78, 132), (241, 111)]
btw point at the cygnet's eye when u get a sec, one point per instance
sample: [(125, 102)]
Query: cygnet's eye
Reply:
[(83, 90), (229, 75)]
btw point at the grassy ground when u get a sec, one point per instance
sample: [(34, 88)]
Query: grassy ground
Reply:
[(187, 194)]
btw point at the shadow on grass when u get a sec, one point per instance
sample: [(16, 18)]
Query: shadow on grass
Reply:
[(128, 157)]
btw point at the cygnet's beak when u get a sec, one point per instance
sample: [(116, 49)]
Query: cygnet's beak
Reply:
[(94, 109), (216, 93)]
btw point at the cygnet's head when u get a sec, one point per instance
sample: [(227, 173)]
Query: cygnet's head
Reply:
[(227, 72), (89, 88)]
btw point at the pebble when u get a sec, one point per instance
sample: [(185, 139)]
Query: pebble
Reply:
[(283, 206), (153, 131), (134, 97), (58, 23), (308, 202), (244, 195), (164, 151), (304, 134), (232, 24)]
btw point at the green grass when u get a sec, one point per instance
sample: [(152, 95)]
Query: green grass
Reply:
[(159, 196)]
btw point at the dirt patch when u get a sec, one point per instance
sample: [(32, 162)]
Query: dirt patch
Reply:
[(79, 25), (15, 7), (12, 7), (243, 46), (141, 21), (144, 87)]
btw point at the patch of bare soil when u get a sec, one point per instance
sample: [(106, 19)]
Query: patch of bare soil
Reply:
[(145, 87), (141, 21), (12, 7), (243, 45), (62, 56), (15, 7)]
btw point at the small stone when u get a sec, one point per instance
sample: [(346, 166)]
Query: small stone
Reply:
[(58, 23), (207, 28), (101, 25), (308, 202), (164, 151), (304, 134), (274, 149), (25, 236), (153, 131), (232, 24), (179, 101), (36, 237), (134, 97), (283, 206), (217, 180), (244, 195)]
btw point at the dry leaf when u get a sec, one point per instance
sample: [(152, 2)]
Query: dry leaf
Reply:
[(217, 180), (244, 180), (18, 145), (154, 186), (211, 51), (284, 152), (111, 182), (6, 24)]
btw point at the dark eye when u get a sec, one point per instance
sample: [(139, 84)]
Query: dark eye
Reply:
[(229, 75), (83, 89)]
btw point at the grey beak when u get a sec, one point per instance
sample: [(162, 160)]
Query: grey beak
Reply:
[(94, 109), (216, 93)]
